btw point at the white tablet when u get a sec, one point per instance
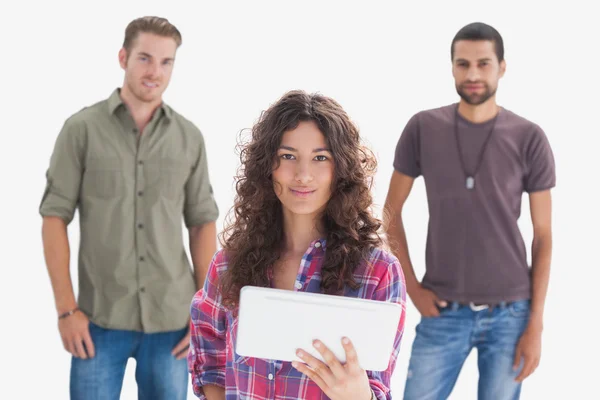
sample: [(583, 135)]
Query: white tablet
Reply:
[(274, 323)]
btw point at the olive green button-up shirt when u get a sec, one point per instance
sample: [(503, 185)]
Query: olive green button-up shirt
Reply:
[(132, 191)]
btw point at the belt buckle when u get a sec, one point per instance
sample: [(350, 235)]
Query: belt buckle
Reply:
[(480, 307)]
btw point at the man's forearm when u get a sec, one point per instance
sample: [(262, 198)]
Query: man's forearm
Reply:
[(57, 256), (540, 276), (399, 246), (214, 392), (203, 245)]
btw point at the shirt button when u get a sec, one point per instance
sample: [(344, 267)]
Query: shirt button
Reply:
[(318, 244), (270, 377), (142, 289), (140, 193), (135, 130), (140, 226), (141, 258), (298, 285), (141, 162)]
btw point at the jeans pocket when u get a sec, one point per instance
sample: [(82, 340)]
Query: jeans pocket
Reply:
[(519, 309)]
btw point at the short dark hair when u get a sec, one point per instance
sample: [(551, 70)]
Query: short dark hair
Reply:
[(480, 31)]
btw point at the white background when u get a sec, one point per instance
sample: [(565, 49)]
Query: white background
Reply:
[(383, 61)]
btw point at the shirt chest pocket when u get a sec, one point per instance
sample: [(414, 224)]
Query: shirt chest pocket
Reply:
[(103, 178), (167, 177)]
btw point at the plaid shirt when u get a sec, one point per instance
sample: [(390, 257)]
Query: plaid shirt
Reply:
[(212, 360)]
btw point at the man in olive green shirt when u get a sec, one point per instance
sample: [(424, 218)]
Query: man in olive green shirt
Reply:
[(134, 168)]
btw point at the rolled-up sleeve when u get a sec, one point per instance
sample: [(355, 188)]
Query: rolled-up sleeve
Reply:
[(200, 206), (208, 355), (64, 175), (391, 288)]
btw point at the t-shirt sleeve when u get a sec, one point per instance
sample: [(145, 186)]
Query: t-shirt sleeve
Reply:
[(541, 174), (407, 158)]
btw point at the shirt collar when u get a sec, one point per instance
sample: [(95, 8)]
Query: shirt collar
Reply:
[(115, 101), (319, 243)]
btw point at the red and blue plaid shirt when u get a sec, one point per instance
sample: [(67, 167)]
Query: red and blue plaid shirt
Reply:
[(212, 360)]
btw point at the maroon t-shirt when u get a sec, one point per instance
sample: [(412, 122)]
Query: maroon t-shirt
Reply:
[(475, 251)]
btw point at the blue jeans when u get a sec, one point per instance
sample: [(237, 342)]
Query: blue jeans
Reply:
[(159, 375), (443, 343)]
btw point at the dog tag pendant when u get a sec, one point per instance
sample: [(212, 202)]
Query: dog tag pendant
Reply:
[(470, 182)]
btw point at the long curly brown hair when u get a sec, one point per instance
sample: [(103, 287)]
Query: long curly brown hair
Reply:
[(252, 240)]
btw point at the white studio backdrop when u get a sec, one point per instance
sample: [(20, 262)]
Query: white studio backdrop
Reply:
[(383, 61)]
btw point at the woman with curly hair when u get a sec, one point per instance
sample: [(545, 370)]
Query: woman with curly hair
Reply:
[(302, 221)]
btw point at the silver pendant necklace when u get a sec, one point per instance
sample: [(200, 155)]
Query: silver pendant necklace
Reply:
[(470, 182), (470, 177)]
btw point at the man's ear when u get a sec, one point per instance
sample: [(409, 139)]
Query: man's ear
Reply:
[(123, 58), (502, 68)]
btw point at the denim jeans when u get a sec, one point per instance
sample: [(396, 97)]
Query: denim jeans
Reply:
[(443, 343), (159, 375)]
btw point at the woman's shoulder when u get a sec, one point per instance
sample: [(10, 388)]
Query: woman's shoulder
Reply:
[(379, 264), (218, 265), (220, 261), (382, 257)]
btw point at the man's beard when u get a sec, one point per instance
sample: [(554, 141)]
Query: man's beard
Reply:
[(476, 99)]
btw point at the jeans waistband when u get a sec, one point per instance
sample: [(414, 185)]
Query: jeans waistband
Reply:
[(454, 305)]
